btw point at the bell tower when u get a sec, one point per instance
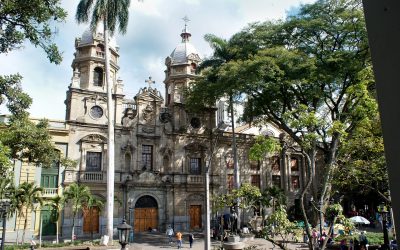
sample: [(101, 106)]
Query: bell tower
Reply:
[(87, 94), (181, 70)]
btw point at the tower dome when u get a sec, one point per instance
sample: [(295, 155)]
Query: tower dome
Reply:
[(88, 36), (184, 49)]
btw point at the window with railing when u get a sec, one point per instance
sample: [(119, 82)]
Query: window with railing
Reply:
[(147, 157), (275, 166), (294, 164), (295, 182), (254, 165), (255, 180), (93, 161), (195, 166), (276, 180)]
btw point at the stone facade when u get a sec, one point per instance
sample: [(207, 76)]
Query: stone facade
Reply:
[(161, 150)]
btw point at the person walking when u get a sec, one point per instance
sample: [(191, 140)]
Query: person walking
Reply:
[(191, 238), (179, 239), (169, 233)]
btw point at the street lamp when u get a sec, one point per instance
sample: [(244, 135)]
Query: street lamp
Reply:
[(4, 207), (382, 209), (123, 233)]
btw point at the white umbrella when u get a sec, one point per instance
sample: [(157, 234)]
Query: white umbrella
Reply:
[(359, 219)]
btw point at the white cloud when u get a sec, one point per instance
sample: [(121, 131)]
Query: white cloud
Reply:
[(153, 32)]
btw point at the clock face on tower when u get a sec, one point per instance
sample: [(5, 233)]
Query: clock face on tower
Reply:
[(96, 112)]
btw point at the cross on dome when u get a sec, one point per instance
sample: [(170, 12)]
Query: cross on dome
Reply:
[(185, 32)]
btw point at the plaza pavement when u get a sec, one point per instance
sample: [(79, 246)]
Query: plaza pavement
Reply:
[(154, 240)]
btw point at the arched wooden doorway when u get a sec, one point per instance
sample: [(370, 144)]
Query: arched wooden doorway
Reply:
[(146, 213)]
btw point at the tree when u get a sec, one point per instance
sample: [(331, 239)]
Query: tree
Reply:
[(21, 20), (113, 14), (309, 75), (93, 204), (28, 195), (56, 203), (279, 224), (360, 157), (77, 196), (29, 142)]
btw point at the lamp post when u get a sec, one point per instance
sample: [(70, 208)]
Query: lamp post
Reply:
[(221, 127), (4, 207), (382, 209), (123, 233)]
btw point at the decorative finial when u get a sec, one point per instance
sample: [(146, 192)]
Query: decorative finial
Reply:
[(186, 20), (185, 32), (149, 81)]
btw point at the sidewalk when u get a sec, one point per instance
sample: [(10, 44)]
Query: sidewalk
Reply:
[(148, 241)]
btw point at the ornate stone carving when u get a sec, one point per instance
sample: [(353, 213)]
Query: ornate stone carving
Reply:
[(148, 129), (94, 138), (127, 120), (128, 148), (195, 197), (147, 177), (148, 113)]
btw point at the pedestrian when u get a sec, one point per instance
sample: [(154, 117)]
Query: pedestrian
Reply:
[(315, 237), (169, 233), (363, 240), (305, 237), (179, 239), (191, 238), (32, 244)]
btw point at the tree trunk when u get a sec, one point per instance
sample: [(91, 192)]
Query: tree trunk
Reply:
[(17, 227), (311, 167), (73, 227), (110, 141), (25, 225)]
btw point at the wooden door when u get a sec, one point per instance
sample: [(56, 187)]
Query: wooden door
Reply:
[(48, 224), (195, 216), (91, 220), (146, 218)]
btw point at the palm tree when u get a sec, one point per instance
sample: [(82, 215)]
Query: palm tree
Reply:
[(77, 195), (112, 13), (28, 195), (223, 54), (56, 204), (93, 203)]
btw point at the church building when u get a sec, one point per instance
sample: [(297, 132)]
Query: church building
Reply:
[(161, 150)]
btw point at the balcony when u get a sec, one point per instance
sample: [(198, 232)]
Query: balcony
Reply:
[(195, 179), (92, 176), (49, 192)]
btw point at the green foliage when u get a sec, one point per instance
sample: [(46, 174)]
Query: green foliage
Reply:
[(29, 141), (262, 146), (77, 195), (278, 224), (114, 12), (333, 211), (11, 93), (30, 20), (68, 163), (248, 195)]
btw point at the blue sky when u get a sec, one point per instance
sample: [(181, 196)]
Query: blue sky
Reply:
[(153, 32)]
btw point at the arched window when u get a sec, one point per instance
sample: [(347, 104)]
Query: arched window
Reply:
[(100, 48), (98, 77)]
